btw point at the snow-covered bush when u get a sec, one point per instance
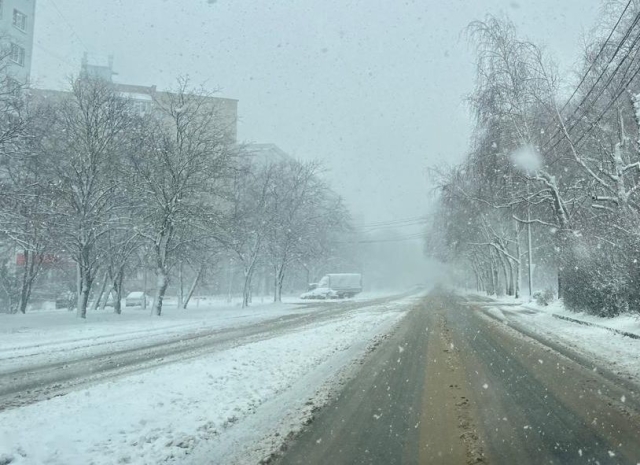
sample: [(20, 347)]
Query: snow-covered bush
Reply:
[(598, 283), (545, 297)]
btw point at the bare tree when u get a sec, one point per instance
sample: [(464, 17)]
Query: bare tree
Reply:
[(179, 170), (306, 214), (24, 199), (86, 142), (250, 219)]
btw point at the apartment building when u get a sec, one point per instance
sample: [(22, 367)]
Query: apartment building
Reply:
[(17, 18), (145, 98)]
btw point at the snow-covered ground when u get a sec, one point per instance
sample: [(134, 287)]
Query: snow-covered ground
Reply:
[(57, 335), (39, 338), (606, 348), (232, 406)]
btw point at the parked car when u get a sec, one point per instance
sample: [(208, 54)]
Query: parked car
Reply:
[(320, 293), (136, 299)]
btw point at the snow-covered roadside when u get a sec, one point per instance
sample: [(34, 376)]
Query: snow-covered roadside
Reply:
[(616, 352), (41, 338), (627, 323), (224, 407), (36, 339)]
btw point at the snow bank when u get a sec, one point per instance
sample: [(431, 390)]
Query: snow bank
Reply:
[(618, 353), (627, 322), (210, 407), (595, 340), (496, 313), (35, 339)]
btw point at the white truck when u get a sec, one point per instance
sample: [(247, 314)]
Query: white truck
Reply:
[(336, 286)]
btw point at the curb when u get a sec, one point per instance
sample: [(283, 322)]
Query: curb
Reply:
[(586, 323), (575, 320)]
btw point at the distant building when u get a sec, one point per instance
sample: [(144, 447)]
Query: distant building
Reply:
[(267, 153), (17, 19), (144, 97)]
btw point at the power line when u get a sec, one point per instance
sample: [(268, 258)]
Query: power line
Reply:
[(73, 31), (580, 107), (619, 93), (623, 87), (54, 55), (393, 222), (399, 225), (595, 60), (410, 237)]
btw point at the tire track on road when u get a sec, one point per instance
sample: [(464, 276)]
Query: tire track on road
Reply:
[(33, 384)]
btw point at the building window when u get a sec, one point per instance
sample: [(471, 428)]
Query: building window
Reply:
[(20, 20), (17, 54)]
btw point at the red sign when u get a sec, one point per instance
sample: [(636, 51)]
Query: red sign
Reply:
[(47, 259)]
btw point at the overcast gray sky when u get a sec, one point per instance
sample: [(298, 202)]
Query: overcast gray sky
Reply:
[(374, 88)]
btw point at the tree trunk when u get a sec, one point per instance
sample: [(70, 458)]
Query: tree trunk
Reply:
[(110, 292), (505, 273), (144, 286), (117, 290), (180, 285), (494, 275), (275, 284), (85, 281), (101, 293), (278, 295), (488, 279), (230, 275), (483, 288), (529, 254), (518, 274), (246, 290), (83, 293), (511, 286), (560, 288), (279, 280), (193, 286), (28, 276), (308, 274), (280, 284), (162, 284)]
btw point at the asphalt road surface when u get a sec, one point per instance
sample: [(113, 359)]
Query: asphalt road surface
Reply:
[(453, 386)]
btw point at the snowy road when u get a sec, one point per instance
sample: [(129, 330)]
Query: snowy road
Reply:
[(216, 395), (35, 381), (454, 385)]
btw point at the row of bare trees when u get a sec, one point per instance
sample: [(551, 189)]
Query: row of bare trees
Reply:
[(549, 188), (87, 179)]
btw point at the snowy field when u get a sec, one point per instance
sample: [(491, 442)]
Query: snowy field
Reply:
[(619, 353), (224, 407)]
